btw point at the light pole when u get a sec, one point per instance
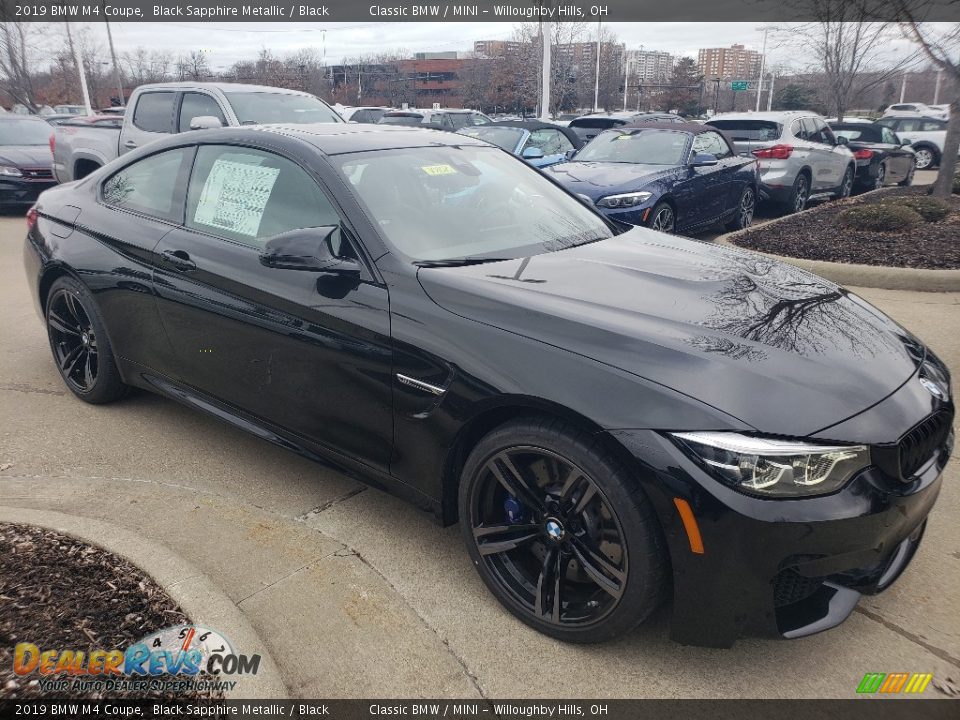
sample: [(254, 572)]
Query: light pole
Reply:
[(596, 77), (545, 35), (903, 86), (763, 59), (83, 75), (936, 88), (113, 56), (626, 76)]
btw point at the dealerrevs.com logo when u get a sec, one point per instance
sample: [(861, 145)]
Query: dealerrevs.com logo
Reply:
[(891, 683), (181, 658)]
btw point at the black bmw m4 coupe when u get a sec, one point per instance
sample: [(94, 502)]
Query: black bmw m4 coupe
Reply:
[(614, 416)]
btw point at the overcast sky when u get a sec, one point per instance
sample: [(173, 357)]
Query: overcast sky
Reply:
[(226, 43)]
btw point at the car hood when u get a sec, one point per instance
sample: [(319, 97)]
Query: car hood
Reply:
[(772, 345), (596, 179), (26, 155)]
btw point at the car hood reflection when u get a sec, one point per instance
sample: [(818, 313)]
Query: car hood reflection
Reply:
[(745, 334)]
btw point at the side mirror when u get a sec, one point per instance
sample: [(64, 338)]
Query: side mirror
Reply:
[(205, 122), (571, 153), (308, 249), (704, 160), (843, 140), (532, 153), (905, 141)]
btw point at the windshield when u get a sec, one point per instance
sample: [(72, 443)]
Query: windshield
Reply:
[(504, 137), (439, 203), (261, 108), (24, 132), (864, 133), (596, 123), (408, 119), (749, 129), (648, 147)]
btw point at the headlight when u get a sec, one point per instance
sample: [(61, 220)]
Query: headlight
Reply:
[(624, 201), (775, 468), (10, 170)]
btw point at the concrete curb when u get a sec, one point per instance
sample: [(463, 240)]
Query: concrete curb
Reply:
[(203, 601), (872, 276)]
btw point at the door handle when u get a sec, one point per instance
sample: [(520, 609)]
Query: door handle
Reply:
[(179, 259), (130, 144)]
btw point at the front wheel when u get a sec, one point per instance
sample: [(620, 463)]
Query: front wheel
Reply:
[(745, 210), (663, 218), (925, 158), (881, 178), (78, 340), (846, 185), (560, 532)]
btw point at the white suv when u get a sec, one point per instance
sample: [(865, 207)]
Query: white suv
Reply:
[(926, 136), (800, 157)]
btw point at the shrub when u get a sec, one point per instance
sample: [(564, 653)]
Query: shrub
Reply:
[(929, 208), (880, 217)]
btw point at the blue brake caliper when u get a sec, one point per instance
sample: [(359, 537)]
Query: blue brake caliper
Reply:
[(514, 510)]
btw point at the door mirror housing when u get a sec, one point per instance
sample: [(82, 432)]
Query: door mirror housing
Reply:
[(843, 140), (570, 154), (308, 249), (532, 153), (205, 122), (704, 160), (905, 141)]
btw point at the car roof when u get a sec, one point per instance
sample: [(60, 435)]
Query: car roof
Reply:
[(532, 125), (338, 138), (687, 127), (224, 87), (775, 115), (620, 115)]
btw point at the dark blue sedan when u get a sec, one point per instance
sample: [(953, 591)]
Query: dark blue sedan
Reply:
[(673, 177)]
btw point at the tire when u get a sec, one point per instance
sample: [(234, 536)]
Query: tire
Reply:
[(745, 209), (663, 218), (908, 180), (846, 185), (799, 194), (881, 177), (555, 529), (79, 343), (926, 157)]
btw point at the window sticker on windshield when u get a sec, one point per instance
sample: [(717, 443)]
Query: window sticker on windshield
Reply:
[(438, 169), (234, 197)]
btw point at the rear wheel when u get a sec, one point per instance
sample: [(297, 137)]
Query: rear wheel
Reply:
[(799, 194), (560, 532), (881, 177), (663, 218), (846, 184), (79, 343), (925, 158), (745, 210)]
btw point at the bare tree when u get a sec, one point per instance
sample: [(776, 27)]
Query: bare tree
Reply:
[(18, 60), (193, 66), (140, 67)]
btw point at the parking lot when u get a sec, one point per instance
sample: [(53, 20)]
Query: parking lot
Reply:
[(320, 565)]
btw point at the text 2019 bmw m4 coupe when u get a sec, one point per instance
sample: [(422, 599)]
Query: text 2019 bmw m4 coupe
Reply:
[(614, 415)]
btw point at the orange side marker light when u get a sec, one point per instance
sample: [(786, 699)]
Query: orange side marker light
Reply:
[(690, 525)]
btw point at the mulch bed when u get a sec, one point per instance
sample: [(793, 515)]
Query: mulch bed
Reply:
[(816, 235), (60, 593)]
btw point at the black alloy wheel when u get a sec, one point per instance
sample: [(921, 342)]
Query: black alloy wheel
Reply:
[(881, 178), (79, 344), (662, 218), (745, 210), (547, 541)]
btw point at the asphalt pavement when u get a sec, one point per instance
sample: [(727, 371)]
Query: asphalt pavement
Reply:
[(358, 595)]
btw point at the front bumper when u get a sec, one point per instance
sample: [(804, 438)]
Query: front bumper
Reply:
[(779, 568), (17, 192)]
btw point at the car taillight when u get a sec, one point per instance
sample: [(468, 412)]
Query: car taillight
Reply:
[(777, 152), (53, 142), (31, 217), (863, 154)]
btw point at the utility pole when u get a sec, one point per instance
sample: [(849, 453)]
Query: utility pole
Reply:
[(763, 60), (903, 86), (596, 78), (936, 88), (83, 76), (113, 56), (626, 75), (545, 36), (770, 93)]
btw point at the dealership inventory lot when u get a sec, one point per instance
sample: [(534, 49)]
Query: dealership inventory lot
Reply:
[(358, 594)]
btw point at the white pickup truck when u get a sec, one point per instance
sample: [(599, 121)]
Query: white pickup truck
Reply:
[(159, 109)]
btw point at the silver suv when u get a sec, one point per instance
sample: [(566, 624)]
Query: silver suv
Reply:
[(800, 157)]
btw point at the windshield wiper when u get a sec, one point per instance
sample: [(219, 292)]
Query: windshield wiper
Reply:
[(458, 262)]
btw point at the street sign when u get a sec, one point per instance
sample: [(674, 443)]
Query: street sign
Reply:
[(739, 85)]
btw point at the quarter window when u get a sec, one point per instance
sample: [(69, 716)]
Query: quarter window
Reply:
[(248, 196), (197, 105), (154, 112), (711, 142), (149, 186)]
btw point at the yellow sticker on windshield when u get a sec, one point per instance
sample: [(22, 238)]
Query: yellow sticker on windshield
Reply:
[(438, 169)]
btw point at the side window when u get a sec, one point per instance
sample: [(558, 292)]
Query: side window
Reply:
[(149, 186), (546, 140), (711, 142), (887, 136), (928, 125), (457, 120), (195, 105), (478, 119), (798, 130), (154, 112), (817, 131), (909, 125), (248, 196)]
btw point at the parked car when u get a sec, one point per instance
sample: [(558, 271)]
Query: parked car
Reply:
[(564, 119), (800, 158), (917, 110), (540, 144), (450, 120), (70, 110), (589, 126), (24, 160), (882, 157), (673, 177), (162, 109), (614, 415), (926, 137), (365, 114)]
